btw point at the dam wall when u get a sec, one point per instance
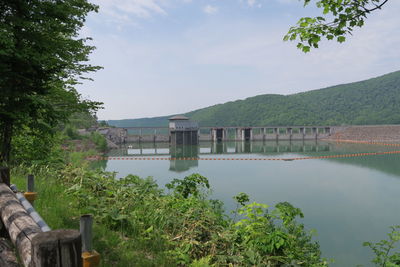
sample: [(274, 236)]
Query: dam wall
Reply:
[(163, 134), (377, 133), (371, 133)]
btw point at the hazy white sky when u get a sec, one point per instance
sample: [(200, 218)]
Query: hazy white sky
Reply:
[(163, 57)]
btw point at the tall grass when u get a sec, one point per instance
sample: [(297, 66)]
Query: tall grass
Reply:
[(61, 210)]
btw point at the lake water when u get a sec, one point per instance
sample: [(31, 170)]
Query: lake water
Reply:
[(346, 200)]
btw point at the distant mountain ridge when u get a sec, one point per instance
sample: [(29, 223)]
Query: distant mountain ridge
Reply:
[(142, 122), (372, 101)]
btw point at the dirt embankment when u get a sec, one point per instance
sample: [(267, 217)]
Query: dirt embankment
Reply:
[(375, 133)]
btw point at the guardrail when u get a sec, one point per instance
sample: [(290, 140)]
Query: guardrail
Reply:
[(36, 244)]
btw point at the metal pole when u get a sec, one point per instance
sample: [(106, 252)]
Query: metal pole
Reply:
[(30, 183), (30, 193), (90, 257), (86, 223)]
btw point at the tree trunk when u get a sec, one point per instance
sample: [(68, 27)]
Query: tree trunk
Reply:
[(6, 137)]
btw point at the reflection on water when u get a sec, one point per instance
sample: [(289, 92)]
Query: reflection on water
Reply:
[(179, 154), (147, 149)]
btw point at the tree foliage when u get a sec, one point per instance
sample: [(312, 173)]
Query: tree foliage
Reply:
[(42, 58), (386, 252), (345, 15)]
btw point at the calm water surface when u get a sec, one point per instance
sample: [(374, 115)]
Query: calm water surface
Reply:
[(347, 200)]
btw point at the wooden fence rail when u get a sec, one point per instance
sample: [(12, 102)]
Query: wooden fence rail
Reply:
[(7, 256), (57, 248), (20, 226)]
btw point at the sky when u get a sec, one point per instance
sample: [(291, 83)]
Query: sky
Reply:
[(164, 57)]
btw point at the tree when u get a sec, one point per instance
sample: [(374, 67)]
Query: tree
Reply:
[(346, 14), (42, 58)]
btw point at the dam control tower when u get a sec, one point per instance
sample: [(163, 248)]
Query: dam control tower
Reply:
[(183, 131)]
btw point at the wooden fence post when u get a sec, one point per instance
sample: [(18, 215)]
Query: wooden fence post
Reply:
[(5, 175), (57, 248)]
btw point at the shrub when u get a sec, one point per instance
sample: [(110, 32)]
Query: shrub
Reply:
[(188, 228), (99, 140)]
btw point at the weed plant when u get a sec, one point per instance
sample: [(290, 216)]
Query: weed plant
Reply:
[(139, 224)]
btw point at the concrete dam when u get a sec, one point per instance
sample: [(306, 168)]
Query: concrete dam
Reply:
[(181, 130)]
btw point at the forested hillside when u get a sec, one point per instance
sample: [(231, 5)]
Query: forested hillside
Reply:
[(373, 101), (144, 122)]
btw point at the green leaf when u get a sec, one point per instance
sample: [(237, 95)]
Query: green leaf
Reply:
[(329, 37), (306, 49), (341, 39)]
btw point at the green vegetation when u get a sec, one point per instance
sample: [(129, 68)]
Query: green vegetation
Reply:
[(36, 147), (374, 101), (42, 58), (93, 141), (138, 224), (384, 249), (99, 140), (83, 120), (342, 15), (144, 122), (89, 140)]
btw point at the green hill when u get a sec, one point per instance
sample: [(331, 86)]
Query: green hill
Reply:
[(373, 101), (143, 122)]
